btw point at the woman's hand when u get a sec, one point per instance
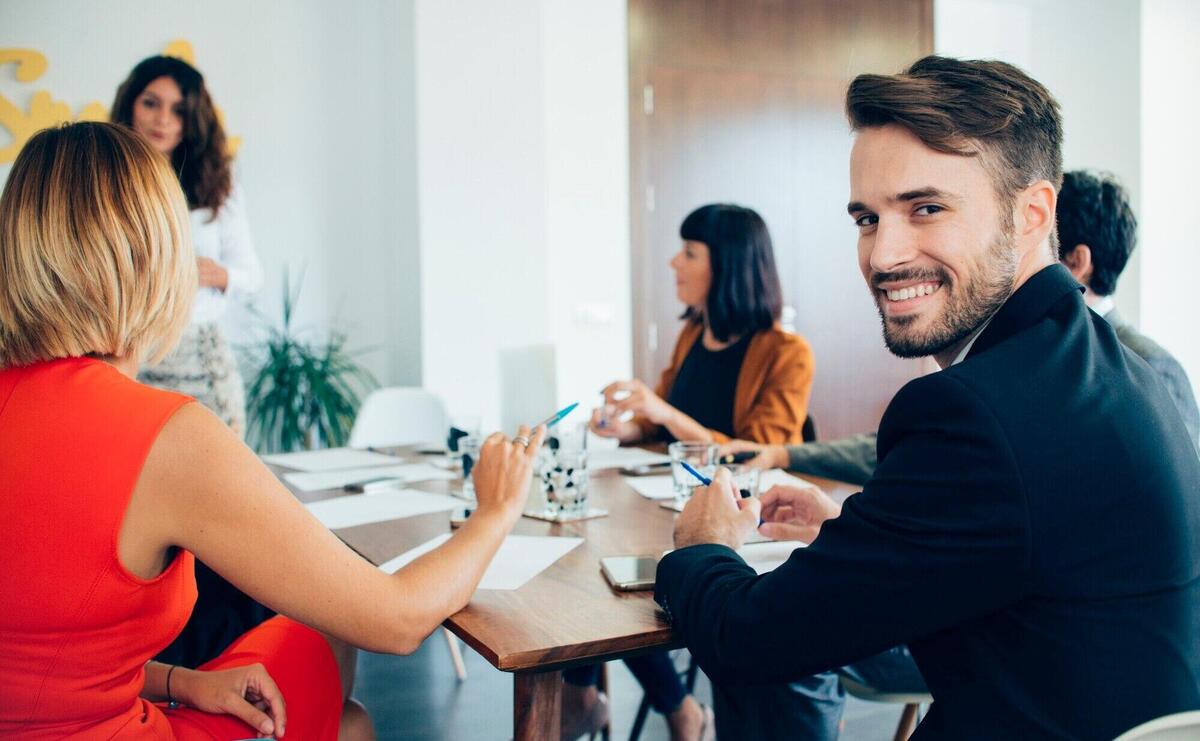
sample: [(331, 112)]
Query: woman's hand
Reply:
[(635, 396), (796, 513), (503, 471), (606, 424), (245, 692), (769, 456), (212, 275)]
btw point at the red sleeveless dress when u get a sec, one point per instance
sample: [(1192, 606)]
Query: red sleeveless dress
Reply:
[(76, 627)]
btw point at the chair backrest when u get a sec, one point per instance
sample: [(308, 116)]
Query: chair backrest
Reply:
[(808, 432), (399, 416), (1177, 727)]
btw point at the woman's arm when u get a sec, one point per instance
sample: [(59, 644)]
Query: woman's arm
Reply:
[(202, 489), (651, 412), (238, 256)]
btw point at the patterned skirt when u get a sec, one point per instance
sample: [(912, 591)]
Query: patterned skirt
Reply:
[(203, 367)]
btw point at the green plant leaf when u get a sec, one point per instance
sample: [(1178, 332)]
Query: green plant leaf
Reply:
[(302, 388)]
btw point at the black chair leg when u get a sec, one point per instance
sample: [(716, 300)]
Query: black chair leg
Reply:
[(640, 719), (689, 682)]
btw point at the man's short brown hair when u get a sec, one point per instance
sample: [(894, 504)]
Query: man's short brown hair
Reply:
[(95, 254), (969, 108)]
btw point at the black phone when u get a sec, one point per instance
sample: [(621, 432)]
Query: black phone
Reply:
[(629, 573), (647, 469)]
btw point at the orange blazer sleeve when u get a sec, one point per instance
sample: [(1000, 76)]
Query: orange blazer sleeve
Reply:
[(773, 390)]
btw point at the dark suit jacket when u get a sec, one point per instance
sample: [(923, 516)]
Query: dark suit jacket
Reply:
[(1169, 371), (1032, 532), (852, 459)]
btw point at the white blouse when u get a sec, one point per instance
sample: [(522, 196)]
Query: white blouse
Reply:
[(225, 240)]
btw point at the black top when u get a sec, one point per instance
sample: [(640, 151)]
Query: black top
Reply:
[(1030, 532), (705, 385)]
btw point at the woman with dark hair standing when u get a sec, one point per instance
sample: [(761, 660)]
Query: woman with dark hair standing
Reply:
[(165, 100), (734, 374)]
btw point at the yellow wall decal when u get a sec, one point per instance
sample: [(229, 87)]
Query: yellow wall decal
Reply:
[(44, 111)]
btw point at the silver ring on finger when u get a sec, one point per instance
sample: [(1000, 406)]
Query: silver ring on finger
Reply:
[(521, 440)]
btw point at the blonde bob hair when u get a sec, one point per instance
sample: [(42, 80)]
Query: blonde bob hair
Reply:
[(95, 254)]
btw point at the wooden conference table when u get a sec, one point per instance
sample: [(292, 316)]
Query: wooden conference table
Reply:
[(565, 616)]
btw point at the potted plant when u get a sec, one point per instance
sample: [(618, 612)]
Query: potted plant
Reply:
[(303, 393)]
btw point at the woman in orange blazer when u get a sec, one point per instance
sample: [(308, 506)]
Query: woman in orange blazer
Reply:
[(734, 373)]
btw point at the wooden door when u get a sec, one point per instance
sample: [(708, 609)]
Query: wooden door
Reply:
[(741, 101)]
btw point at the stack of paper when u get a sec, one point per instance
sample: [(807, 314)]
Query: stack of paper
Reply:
[(405, 473), (520, 558), (653, 487), (768, 555), (363, 509), (624, 458), (662, 487), (779, 477), (330, 459)]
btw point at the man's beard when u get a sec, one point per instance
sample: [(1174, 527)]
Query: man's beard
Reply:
[(965, 309)]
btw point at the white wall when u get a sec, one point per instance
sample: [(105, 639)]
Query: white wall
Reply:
[(1088, 54), (1170, 163), (523, 189), (322, 96)]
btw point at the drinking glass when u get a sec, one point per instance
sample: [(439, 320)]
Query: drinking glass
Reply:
[(700, 456), (469, 449), (745, 480), (563, 471)]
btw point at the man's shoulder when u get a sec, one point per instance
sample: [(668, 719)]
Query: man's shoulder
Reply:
[(1145, 347)]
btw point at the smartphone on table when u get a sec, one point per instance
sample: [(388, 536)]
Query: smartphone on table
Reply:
[(629, 573)]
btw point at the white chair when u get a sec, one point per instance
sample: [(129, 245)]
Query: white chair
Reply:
[(1177, 727), (401, 415)]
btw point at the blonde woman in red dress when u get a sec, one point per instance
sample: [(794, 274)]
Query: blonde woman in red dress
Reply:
[(109, 488)]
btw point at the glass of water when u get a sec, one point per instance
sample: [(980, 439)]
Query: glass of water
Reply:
[(700, 456), (469, 449), (745, 480), (563, 472)]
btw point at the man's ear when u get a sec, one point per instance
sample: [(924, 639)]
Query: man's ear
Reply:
[(1036, 217), (1079, 262)]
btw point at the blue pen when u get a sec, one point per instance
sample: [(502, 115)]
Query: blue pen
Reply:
[(703, 479), (557, 417)]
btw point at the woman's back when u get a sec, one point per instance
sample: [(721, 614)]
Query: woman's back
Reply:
[(77, 627)]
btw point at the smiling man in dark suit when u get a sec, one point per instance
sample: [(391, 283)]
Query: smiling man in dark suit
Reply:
[(1030, 530)]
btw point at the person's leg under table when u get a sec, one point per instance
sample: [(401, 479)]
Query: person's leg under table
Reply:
[(537, 705), (809, 709), (659, 678), (891, 671)]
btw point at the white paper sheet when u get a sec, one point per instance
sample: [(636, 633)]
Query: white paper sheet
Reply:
[(361, 509), (520, 558), (405, 472), (330, 459), (624, 458), (768, 555), (779, 477), (662, 487), (653, 487)]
